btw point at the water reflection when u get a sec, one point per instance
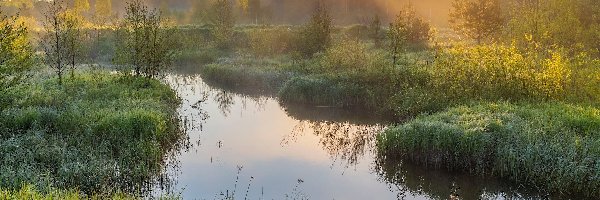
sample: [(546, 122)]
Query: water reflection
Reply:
[(409, 179), (249, 146), (343, 141)]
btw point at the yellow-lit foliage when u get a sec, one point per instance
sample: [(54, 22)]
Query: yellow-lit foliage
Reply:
[(16, 55), (496, 72)]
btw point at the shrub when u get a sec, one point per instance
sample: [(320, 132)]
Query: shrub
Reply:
[(407, 31), (16, 54), (315, 36), (223, 21), (265, 42), (498, 72), (352, 56)]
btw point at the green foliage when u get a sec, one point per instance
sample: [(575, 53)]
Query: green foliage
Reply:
[(265, 42), (552, 146), (321, 91), (55, 40), (63, 39), (315, 36), (31, 193), (144, 42), (572, 24), (73, 39), (251, 75), (480, 20), (99, 133), (223, 21), (407, 31), (353, 56), (16, 54)]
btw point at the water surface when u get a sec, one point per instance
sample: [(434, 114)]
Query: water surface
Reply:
[(252, 147)]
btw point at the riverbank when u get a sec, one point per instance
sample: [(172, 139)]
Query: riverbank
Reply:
[(550, 146), (98, 132), (316, 82)]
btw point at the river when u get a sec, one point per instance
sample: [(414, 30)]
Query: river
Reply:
[(249, 146)]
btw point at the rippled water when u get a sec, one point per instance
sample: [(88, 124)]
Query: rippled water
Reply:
[(251, 147)]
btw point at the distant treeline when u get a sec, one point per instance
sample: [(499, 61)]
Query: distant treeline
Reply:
[(250, 11)]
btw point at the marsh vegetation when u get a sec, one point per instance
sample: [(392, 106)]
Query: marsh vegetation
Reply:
[(99, 98)]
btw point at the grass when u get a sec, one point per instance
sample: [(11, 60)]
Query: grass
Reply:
[(97, 132), (31, 193), (551, 146), (247, 74)]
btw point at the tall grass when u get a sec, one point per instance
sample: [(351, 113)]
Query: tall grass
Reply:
[(246, 74), (552, 146), (96, 132)]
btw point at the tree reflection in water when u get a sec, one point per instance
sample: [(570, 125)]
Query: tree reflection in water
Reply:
[(225, 100), (342, 140)]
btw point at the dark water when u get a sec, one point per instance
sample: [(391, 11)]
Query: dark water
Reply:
[(251, 147)]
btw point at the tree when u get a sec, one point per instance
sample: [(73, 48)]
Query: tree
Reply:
[(16, 54), (73, 38), (223, 22), (477, 19), (407, 30), (55, 38), (315, 36), (143, 41)]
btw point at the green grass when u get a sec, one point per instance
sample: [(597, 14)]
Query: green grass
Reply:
[(551, 146), (31, 193), (246, 74), (98, 132)]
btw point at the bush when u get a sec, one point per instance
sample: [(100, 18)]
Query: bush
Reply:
[(16, 54), (315, 36)]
